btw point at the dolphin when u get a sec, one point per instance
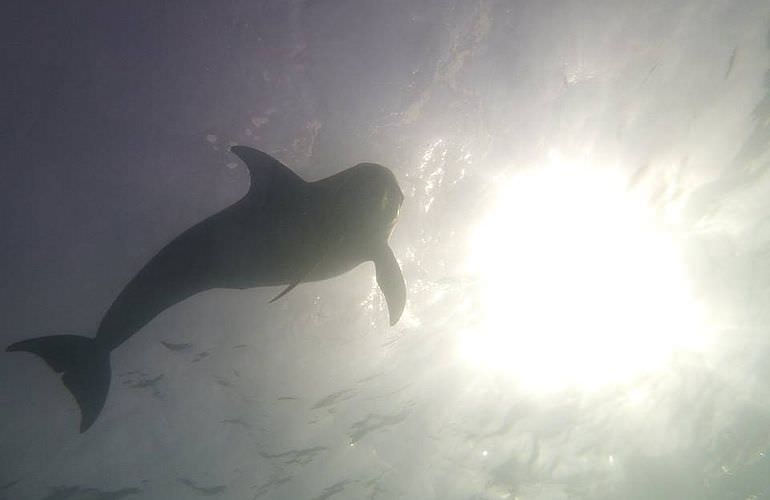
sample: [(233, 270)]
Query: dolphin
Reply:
[(284, 231)]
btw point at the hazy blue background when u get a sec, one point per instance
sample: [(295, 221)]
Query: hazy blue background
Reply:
[(116, 117)]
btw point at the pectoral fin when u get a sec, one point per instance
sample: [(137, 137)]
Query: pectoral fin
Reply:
[(286, 290), (296, 282), (391, 282)]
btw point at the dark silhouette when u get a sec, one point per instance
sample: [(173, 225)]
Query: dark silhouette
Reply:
[(285, 231)]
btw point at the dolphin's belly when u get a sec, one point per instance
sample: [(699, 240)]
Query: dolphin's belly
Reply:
[(265, 258), (335, 263)]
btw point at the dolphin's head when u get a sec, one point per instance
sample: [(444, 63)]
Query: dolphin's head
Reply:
[(370, 196)]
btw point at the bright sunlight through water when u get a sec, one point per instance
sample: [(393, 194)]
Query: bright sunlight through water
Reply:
[(583, 284)]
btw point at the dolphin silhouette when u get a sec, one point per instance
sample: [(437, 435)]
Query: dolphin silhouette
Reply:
[(284, 231)]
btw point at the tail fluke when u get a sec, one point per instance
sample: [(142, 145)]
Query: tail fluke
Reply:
[(86, 369)]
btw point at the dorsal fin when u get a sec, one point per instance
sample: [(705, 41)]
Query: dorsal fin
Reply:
[(268, 175)]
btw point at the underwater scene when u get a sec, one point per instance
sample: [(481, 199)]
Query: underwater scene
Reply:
[(385, 249)]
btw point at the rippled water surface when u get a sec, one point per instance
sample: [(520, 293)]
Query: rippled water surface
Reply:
[(585, 240)]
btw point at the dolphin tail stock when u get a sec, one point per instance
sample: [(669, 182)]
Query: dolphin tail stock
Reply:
[(85, 367)]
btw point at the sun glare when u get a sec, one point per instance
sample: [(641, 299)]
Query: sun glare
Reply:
[(581, 287)]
